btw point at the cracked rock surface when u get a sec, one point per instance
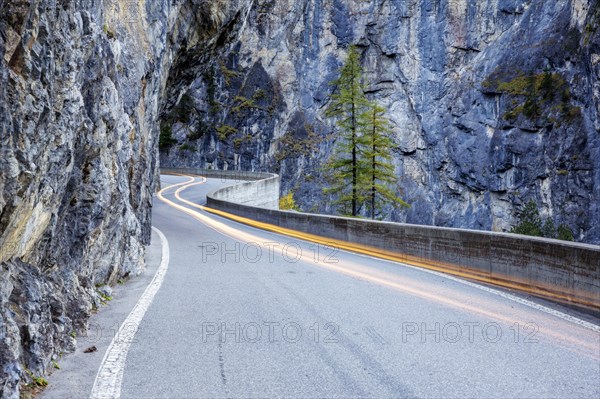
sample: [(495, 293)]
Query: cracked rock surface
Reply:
[(82, 84), (473, 143)]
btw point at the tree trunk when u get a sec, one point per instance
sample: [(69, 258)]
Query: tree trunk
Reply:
[(354, 160), (373, 165)]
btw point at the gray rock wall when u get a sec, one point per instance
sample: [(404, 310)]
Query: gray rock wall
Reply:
[(82, 84), (473, 143)]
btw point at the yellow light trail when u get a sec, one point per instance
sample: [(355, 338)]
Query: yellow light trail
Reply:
[(407, 285), (437, 266)]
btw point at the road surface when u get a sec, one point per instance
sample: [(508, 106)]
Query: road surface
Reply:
[(246, 313)]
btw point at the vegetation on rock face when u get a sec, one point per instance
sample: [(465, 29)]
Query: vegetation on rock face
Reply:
[(360, 170), (287, 202), (244, 103), (291, 146), (224, 131), (36, 385), (531, 224), (543, 96), (211, 91), (196, 134), (239, 141), (227, 73), (166, 139), (186, 147), (109, 32)]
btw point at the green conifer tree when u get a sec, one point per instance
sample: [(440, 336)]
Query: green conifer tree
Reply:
[(530, 221), (531, 224), (378, 171), (347, 103), (564, 233), (548, 229)]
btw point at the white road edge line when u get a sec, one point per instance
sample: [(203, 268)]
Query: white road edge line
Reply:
[(514, 298), (110, 374), (545, 309)]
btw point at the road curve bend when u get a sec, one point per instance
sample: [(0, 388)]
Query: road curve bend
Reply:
[(244, 312)]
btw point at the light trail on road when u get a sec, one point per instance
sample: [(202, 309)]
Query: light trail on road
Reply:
[(437, 266), (365, 273), (400, 330)]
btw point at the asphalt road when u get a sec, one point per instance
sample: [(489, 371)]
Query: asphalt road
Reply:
[(247, 313), (233, 320)]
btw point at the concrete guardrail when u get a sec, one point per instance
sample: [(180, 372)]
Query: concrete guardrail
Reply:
[(259, 189), (558, 270)]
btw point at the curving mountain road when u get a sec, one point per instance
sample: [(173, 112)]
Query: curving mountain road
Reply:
[(241, 312), (247, 313)]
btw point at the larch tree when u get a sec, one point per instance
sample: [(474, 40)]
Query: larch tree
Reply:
[(377, 145), (348, 102)]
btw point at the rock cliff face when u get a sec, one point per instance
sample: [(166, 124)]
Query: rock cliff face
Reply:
[(493, 103), (81, 88)]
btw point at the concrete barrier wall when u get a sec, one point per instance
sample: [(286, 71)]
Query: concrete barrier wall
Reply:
[(258, 189), (263, 193), (225, 175), (558, 270)]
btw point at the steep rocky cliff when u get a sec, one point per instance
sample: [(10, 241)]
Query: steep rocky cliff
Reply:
[(81, 86), (493, 103)]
